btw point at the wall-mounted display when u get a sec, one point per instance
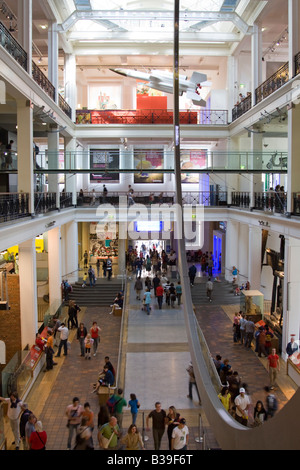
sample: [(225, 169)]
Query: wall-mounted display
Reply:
[(103, 161), (148, 159), (192, 160)]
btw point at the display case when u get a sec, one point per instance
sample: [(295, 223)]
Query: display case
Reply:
[(252, 304)]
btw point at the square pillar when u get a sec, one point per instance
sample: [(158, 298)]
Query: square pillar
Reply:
[(28, 292), (25, 150), (54, 268)]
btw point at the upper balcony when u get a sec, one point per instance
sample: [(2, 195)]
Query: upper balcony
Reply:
[(15, 50), (267, 88)]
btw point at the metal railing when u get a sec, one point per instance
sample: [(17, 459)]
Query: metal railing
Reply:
[(151, 116), (104, 162), (206, 198), (14, 206), (13, 47), (40, 78), (273, 83), (296, 208), (240, 199), (242, 107), (44, 202), (273, 201), (297, 64), (64, 106)]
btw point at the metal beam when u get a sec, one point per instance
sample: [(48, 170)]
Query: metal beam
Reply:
[(161, 15), (138, 36)]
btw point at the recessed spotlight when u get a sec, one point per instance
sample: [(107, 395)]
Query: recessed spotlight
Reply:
[(44, 26)]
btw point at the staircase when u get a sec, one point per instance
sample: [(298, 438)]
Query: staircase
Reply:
[(102, 294), (222, 293)]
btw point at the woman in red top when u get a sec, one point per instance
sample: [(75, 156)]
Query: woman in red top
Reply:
[(38, 438), (95, 331)]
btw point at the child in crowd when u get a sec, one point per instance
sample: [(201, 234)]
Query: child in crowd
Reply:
[(84, 280), (88, 341)]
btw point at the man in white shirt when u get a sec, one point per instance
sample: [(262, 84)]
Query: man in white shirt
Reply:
[(242, 403), (13, 414), (64, 334), (180, 436)]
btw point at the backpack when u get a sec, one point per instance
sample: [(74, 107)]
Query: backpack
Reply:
[(112, 404)]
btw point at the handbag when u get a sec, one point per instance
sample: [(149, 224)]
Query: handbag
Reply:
[(105, 442)]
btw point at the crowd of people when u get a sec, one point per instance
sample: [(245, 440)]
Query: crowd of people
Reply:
[(235, 396), (26, 428), (164, 291)]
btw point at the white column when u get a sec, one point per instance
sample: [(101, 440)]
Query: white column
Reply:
[(256, 184), (28, 292), (122, 256), (70, 235), (231, 255), (256, 59), (25, 29), (254, 257), (293, 32), (293, 155), (54, 268), (242, 248), (53, 57), (232, 91), (70, 83), (71, 162), (53, 154), (291, 291), (25, 150)]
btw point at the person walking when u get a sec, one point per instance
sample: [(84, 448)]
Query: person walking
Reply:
[(133, 439), (158, 416), (180, 436), (209, 289), (134, 407), (98, 267), (109, 268), (160, 295), (74, 414), (91, 274), (178, 293), (249, 331), (138, 287), (88, 341), (85, 259), (13, 413), (108, 434), (95, 334), (271, 402), (38, 437), (192, 274), (173, 418), (64, 335), (273, 366), (25, 413), (243, 322), (81, 334), (192, 382), (120, 403), (242, 403), (147, 301)]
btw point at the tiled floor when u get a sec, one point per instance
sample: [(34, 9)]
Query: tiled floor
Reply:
[(154, 357)]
